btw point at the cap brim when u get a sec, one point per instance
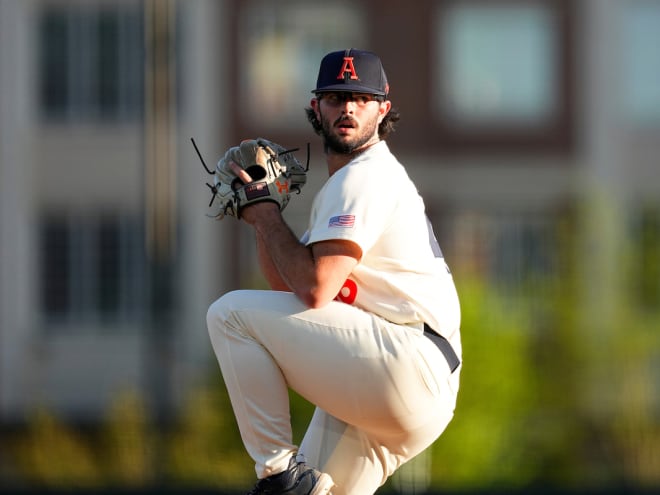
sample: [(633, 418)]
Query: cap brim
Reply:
[(351, 88)]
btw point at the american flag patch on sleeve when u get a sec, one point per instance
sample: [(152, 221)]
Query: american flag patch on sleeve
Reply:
[(342, 221)]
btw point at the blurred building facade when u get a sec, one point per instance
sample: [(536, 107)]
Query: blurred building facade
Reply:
[(513, 115)]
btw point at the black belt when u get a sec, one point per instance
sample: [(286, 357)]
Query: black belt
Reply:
[(444, 346)]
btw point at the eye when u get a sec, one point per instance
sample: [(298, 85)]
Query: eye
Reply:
[(332, 98), (363, 99)]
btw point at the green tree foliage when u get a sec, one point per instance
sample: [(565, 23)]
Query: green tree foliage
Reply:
[(487, 441), (55, 455), (205, 448), (127, 443)]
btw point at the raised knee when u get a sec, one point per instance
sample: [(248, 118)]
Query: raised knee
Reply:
[(212, 314), (217, 312), (220, 309)]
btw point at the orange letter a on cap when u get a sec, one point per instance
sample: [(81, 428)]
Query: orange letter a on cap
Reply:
[(347, 67)]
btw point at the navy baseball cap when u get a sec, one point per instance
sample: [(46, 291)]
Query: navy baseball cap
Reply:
[(352, 70)]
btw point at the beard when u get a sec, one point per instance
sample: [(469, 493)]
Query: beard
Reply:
[(343, 145)]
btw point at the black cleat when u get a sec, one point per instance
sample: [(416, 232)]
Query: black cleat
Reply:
[(298, 479)]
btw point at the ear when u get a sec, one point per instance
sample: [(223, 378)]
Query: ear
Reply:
[(314, 103), (384, 109)]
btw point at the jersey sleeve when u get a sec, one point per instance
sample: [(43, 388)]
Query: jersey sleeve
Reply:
[(354, 205)]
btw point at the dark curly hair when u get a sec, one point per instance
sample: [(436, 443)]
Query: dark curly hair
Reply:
[(385, 128)]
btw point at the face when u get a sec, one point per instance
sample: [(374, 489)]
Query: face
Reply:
[(349, 120)]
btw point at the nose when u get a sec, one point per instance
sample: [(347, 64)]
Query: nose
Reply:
[(348, 105)]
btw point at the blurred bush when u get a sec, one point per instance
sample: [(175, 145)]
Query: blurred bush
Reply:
[(126, 443), (53, 454), (546, 400), (205, 448), (488, 441)]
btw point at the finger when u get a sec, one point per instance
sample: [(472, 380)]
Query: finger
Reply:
[(240, 172)]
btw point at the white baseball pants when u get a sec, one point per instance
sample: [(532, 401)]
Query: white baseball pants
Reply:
[(383, 392)]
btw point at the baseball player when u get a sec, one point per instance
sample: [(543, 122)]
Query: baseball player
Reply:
[(363, 316)]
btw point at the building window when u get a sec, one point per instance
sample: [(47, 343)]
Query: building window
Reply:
[(500, 63), (91, 62), (55, 251), (500, 72), (517, 251), (642, 64), (92, 269), (281, 48)]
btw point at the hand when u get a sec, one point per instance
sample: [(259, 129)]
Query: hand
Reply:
[(240, 173), (252, 213)]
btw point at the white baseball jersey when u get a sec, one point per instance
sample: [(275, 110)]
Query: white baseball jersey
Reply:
[(402, 275)]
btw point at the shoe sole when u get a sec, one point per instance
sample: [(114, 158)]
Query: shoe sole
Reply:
[(323, 485)]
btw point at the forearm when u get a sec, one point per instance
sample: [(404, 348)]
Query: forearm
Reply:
[(315, 273), (268, 268), (285, 262)]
